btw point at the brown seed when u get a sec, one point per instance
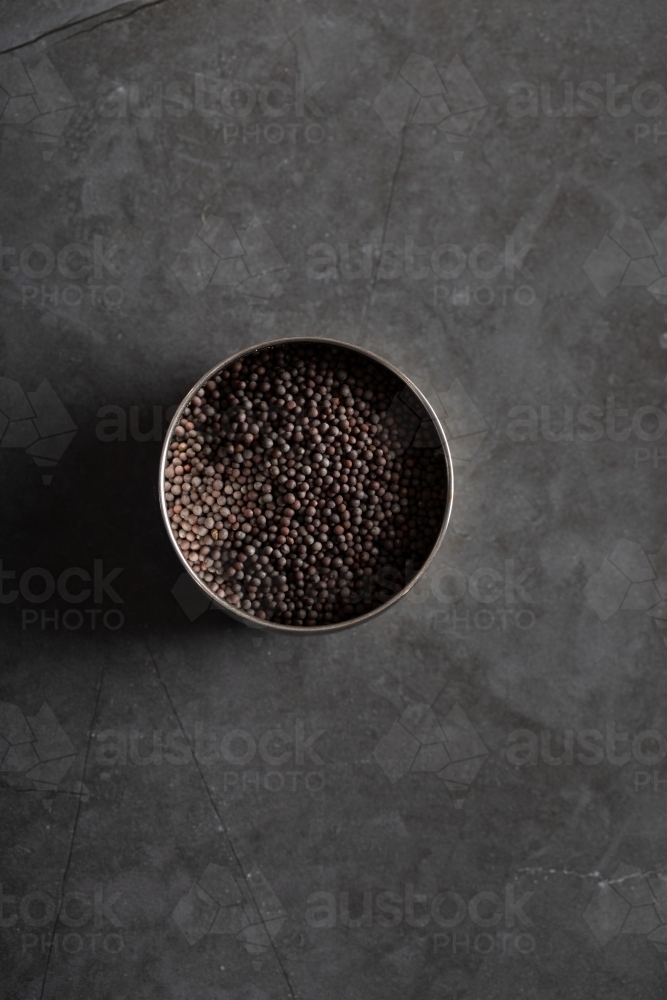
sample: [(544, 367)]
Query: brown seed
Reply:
[(301, 508)]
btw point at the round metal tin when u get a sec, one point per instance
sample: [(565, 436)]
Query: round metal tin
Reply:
[(241, 615)]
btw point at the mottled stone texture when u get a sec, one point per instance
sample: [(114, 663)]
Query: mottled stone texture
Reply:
[(465, 798)]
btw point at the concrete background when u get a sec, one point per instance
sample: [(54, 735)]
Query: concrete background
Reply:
[(157, 755)]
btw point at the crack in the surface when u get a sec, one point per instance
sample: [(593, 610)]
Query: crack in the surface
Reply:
[(100, 19), (91, 730), (592, 875), (223, 826), (290, 40), (385, 224)]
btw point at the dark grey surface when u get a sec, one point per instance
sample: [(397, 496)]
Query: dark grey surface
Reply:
[(103, 853)]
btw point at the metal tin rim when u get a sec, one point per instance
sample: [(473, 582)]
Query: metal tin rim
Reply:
[(241, 615)]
